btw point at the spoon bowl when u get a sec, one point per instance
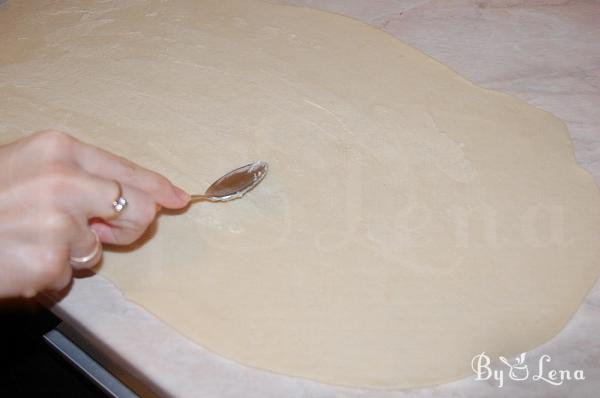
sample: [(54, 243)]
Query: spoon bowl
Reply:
[(235, 184)]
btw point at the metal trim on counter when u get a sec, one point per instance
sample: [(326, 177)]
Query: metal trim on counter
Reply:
[(87, 365)]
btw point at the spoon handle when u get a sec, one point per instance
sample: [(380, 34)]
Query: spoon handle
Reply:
[(208, 198), (194, 198)]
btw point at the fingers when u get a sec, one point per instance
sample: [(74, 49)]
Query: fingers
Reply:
[(68, 242), (43, 267), (109, 166), (53, 263), (51, 270), (78, 193), (92, 201), (132, 222), (61, 279), (85, 197), (97, 196), (69, 236), (18, 280)]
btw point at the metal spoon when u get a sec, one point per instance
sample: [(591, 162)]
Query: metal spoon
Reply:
[(235, 184)]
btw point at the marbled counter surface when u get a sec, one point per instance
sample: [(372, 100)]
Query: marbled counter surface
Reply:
[(545, 51)]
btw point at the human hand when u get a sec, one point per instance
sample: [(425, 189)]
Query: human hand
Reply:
[(56, 196)]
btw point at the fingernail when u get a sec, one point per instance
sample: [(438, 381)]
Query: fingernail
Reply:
[(181, 194)]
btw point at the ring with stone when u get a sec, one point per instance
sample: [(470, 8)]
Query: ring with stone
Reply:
[(120, 203)]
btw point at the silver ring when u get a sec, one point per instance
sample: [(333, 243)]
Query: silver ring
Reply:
[(120, 203), (82, 261)]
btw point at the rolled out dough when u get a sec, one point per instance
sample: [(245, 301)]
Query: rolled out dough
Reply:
[(410, 219)]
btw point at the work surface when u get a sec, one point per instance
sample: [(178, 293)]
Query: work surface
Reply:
[(547, 54)]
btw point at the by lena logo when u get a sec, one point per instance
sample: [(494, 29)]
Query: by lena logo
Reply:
[(520, 371)]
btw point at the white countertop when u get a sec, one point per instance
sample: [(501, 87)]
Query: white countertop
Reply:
[(546, 52)]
